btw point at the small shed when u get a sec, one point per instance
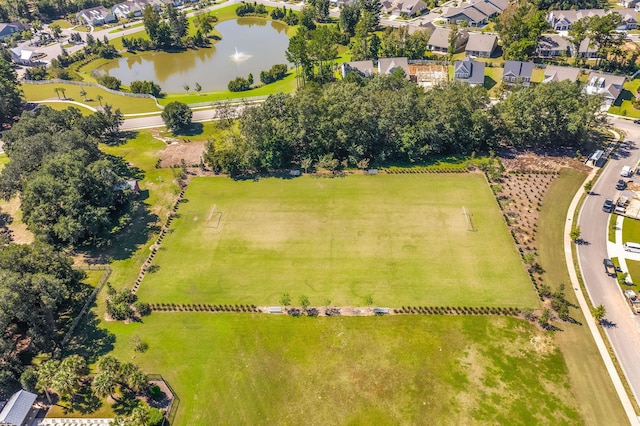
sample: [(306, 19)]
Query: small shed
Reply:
[(597, 158), (16, 411), (274, 309)]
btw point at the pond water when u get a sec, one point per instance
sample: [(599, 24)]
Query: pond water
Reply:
[(248, 45)]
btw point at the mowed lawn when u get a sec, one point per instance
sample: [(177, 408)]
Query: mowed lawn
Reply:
[(260, 369), (399, 239)]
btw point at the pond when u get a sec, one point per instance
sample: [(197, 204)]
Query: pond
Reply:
[(248, 45)]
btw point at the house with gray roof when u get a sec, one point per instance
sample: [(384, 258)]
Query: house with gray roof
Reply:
[(465, 16), (406, 7), (96, 16), (554, 45), (588, 49), (517, 72), (18, 410), (481, 45), (629, 19), (363, 68), (607, 85), (556, 73), (562, 20), (7, 29), (388, 65), (469, 71), (439, 40)]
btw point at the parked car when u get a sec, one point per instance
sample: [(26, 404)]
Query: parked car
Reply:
[(609, 267), (626, 171), (608, 205), (621, 185), (637, 121)]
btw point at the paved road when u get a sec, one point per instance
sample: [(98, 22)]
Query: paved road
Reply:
[(624, 332)]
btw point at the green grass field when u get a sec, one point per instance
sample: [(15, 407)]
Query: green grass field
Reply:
[(401, 239), (243, 369), (127, 105), (588, 377), (630, 230)]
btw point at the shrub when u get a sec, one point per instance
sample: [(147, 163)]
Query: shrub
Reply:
[(277, 72), (154, 417), (109, 82), (155, 392), (145, 86), (239, 84), (143, 308)]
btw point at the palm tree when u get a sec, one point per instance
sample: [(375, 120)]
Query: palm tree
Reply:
[(197, 87), (46, 377), (63, 90), (104, 384), (99, 98), (109, 363), (83, 94), (186, 87), (57, 90), (137, 381)]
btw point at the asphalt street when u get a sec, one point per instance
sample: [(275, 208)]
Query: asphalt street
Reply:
[(622, 326)]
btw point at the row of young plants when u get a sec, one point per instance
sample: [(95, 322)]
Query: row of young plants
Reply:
[(200, 307), (457, 310), (419, 169)]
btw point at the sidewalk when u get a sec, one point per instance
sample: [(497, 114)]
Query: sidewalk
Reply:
[(593, 327)]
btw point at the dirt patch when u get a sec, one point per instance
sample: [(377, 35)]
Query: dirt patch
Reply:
[(542, 344), (17, 230), (176, 152)]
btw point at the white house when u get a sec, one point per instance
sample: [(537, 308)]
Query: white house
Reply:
[(96, 16)]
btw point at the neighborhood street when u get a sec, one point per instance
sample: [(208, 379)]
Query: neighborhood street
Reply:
[(622, 327)]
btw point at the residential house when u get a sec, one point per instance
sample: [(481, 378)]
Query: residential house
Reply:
[(468, 16), (517, 72), (481, 45), (96, 16), (389, 65), (427, 75), (22, 56), (174, 3), (18, 411), (629, 19), (554, 45), (628, 3), (562, 20), (404, 7), (475, 13), (338, 3), (469, 71), (127, 10), (607, 85), (156, 4), (439, 40), (364, 68), (588, 49), (7, 29), (556, 73)]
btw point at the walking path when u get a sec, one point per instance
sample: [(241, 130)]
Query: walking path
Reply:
[(593, 327)]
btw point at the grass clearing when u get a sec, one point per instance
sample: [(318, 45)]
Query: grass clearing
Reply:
[(3, 160), (401, 239), (159, 190), (634, 273), (630, 230), (611, 230), (244, 369), (587, 374), (127, 105)]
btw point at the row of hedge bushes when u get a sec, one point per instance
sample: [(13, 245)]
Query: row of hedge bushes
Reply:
[(409, 170), (200, 307), (457, 310)]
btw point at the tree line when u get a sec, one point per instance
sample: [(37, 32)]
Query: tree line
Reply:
[(386, 119)]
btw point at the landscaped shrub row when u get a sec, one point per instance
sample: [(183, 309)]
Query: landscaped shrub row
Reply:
[(177, 307), (403, 170), (534, 172), (156, 246), (297, 312), (456, 310)]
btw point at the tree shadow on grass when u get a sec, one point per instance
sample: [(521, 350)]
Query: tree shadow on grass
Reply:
[(85, 401), (126, 404), (90, 341), (194, 129)]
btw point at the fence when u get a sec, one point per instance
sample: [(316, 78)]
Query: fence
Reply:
[(100, 86), (175, 401), (90, 299)]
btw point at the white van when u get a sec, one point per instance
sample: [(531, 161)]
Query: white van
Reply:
[(626, 172), (633, 247)]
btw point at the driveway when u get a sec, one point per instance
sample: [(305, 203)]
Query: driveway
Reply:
[(623, 328)]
